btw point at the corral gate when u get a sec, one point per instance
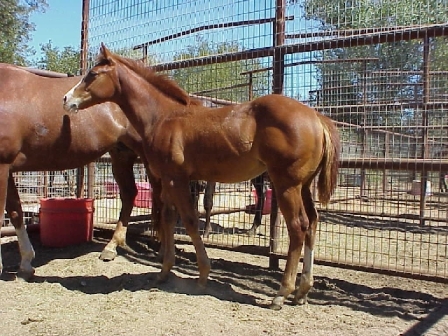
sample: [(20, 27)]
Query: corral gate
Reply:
[(378, 68)]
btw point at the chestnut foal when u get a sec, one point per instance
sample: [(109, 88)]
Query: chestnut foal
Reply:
[(186, 141)]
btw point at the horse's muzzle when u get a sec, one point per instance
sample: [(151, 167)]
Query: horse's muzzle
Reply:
[(69, 107)]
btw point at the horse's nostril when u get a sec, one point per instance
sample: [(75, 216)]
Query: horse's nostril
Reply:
[(64, 99)]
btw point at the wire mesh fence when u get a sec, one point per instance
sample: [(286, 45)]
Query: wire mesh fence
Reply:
[(377, 68)]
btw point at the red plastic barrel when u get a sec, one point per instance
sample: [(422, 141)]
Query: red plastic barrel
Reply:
[(267, 201), (144, 195), (66, 221)]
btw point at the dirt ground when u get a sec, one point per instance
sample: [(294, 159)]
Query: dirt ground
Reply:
[(74, 293)]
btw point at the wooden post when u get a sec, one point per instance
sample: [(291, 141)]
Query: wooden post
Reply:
[(364, 132), (84, 35), (279, 40), (424, 138), (83, 67), (45, 188), (386, 155), (145, 55), (277, 87), (251, 86)]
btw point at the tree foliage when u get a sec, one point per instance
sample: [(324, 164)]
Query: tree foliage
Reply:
[(15, 29), (214, 80), (354, 83), (66, 60)]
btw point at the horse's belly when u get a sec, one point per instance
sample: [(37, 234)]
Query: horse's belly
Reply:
[(56, 161), (228, 172)]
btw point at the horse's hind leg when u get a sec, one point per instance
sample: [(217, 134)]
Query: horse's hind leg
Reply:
[(168, 218), (70, 183), (306, 279), (291, 205), (122, 169), (156, 212), (14, 210), (208, 205), (258, 183)]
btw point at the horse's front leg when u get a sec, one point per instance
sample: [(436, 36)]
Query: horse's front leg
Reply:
[(4, 172), (122, 169), (15, 213), (178, 192), (156, 213), (168, 218), (14, 209)]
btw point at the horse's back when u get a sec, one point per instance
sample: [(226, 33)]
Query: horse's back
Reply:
[(32, 117), (282, 109), (24, 91)]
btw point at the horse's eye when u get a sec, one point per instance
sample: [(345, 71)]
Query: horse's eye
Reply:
[(91, 75)]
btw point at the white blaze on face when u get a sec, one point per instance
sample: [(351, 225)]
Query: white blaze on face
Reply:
[(70, 102)]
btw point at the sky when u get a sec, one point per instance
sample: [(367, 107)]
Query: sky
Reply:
[(61, 23)]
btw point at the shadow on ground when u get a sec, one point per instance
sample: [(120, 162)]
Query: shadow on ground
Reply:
[(234, 281)]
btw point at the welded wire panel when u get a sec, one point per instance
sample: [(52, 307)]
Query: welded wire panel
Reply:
[(378, 68), (159, 32), (107, 195), (33, 186), (231, 217), (388, 100)]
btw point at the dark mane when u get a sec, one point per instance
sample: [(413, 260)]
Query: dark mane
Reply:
[(161, 81)]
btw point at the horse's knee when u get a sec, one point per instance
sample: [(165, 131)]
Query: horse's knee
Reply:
[(304, 222)]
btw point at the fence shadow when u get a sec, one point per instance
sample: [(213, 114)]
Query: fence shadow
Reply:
[(234, 281), (376, 223)]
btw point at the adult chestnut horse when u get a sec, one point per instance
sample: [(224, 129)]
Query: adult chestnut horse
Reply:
[(185, 141), (35, 135)]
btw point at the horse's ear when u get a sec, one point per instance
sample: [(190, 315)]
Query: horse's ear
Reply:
[(105, 53)]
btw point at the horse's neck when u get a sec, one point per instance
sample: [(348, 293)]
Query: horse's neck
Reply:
[(139, 100)]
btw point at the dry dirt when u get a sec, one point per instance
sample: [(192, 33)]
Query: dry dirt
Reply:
[(74, 293)]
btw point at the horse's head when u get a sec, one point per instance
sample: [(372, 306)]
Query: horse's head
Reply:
[(97, 86)]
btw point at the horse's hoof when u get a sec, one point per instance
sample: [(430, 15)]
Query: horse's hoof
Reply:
[(251, 232), (162, 277), (300, 301), (107, 255), (25, 275), (277, 303), (202, 283), (274, 306)]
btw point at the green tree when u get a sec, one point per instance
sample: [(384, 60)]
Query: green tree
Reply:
[(214, 80), (357, 83), (66, 60), (15, 29)]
